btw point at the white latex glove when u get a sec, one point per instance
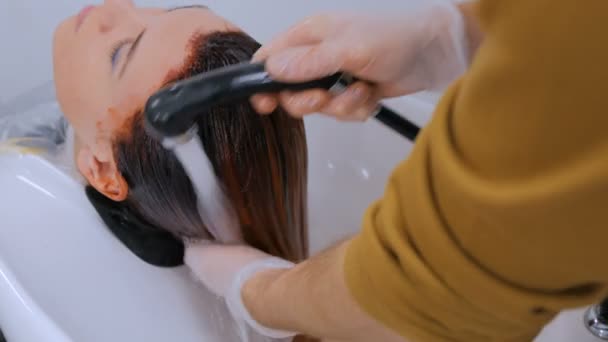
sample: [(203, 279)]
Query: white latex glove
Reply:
[(399, 53), (224, 269)]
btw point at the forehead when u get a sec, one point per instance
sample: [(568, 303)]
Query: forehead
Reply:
[(163, 49)]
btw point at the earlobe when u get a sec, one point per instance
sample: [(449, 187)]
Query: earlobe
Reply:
[(104, 176), (116, 189)]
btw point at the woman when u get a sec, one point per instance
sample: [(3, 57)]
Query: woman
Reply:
[(107, 61)]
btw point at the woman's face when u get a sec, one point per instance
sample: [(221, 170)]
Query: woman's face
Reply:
[(108, 60)]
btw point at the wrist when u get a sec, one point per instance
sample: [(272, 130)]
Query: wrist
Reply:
[(444, 45), (258, 293), (474, 34), (241, 287)]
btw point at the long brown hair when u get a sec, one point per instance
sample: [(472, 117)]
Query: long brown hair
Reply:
[(261, 161)]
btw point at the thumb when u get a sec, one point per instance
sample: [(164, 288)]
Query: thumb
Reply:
[(305, 63)]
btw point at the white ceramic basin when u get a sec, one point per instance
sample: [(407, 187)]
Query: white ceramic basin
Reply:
[(64, 277)]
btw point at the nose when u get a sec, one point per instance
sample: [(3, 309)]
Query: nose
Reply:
[(115, 12), (120, 3)]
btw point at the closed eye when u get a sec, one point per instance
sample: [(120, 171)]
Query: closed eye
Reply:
[(116, 52)]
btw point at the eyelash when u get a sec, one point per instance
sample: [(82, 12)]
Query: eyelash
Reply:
[(115, 49)]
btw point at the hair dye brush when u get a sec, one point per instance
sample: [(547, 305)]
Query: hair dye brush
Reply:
[(172, 112)]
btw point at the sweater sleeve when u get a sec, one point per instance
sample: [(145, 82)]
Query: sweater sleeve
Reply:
[(495, 222)]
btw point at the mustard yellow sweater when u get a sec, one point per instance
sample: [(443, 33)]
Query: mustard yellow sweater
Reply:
[(499, 218)]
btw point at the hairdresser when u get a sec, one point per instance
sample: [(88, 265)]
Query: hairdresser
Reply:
[(495, 222)]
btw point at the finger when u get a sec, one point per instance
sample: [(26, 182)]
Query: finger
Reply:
[(308, 62), (264, 103), (304, 63), (304, 102), (308, 32), (357, 103)]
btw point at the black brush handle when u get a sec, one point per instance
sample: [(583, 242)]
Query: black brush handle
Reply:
[(172, 111), (398, 123)]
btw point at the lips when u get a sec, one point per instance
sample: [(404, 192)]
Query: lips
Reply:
[(82, 16)]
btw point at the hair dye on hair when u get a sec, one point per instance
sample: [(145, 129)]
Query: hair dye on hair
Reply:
[(261, 162)]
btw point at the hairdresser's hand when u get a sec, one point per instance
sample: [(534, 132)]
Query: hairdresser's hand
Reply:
[(217, 266), (398, 53), (224, 269)]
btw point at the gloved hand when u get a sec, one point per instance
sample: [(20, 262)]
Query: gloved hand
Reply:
[(399, 53), (224, 269)]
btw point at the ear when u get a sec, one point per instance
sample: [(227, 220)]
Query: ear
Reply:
[(102, 173)]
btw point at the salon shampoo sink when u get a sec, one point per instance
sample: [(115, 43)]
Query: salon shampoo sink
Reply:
[(64, 277)]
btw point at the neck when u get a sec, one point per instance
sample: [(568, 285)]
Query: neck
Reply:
[(68, 159)]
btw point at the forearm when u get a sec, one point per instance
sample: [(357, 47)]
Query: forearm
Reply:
[(312, 298)]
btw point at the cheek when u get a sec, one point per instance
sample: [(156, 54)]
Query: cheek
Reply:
[(64, 57), (61, 55), (80, 87)]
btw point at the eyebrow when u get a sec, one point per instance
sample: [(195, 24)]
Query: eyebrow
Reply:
[(138, 39), (185, 7)]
